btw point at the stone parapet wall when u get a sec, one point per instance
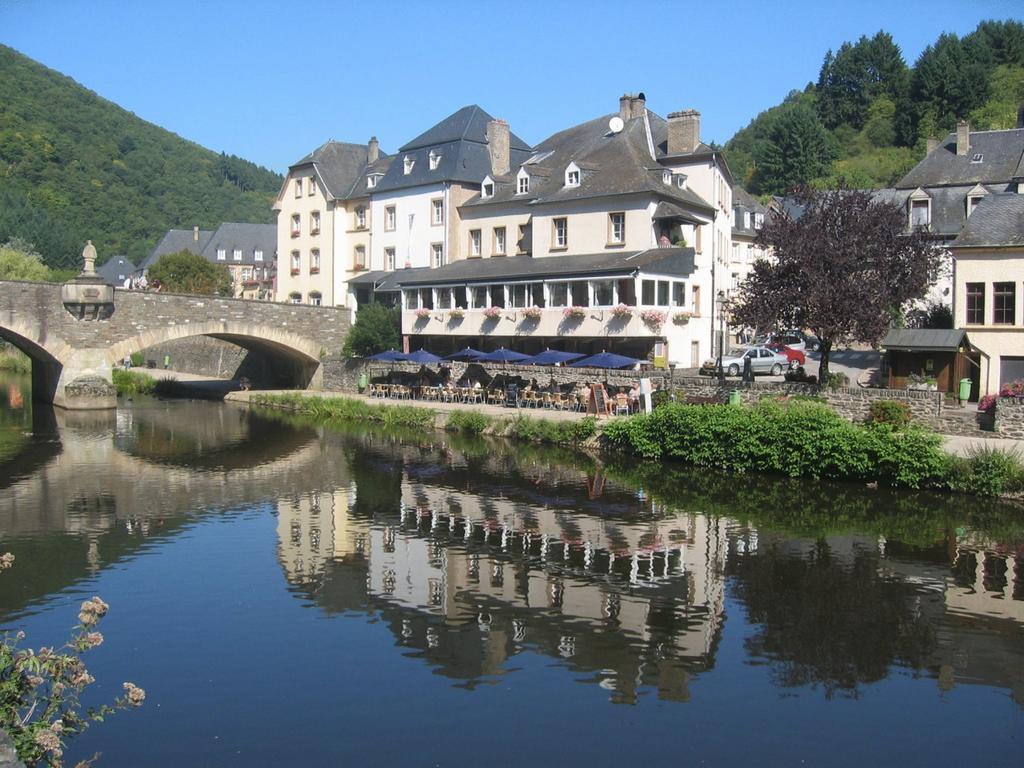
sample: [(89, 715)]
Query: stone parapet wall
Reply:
[(1009, 418)]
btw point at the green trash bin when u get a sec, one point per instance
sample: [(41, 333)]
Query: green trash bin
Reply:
[(734, 398), (363, 382), (965, 389)]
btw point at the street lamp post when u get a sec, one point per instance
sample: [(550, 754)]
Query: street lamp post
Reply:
[(721, 334)]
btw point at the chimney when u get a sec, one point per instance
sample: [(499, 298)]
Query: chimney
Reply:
[(932, 144), (963, 137), (498, 146), (195, 234), (683, 131), (637, 105), (625, 100), (372, 150)]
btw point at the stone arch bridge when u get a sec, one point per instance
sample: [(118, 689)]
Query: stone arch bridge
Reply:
[(72, 356)]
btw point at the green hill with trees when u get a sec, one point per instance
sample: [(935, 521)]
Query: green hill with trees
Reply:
[(74, 166), (868, 117)]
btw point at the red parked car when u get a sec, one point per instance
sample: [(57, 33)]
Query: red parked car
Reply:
[(796, 357)]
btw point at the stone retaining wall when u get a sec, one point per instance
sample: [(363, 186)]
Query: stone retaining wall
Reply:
[(1009, 418)]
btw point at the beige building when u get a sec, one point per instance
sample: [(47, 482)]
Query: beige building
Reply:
[(988, 274)]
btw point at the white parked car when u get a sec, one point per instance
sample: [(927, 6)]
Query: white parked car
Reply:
[(762, 360)]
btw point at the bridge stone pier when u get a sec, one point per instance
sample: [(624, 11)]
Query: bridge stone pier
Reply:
[(73, 355)]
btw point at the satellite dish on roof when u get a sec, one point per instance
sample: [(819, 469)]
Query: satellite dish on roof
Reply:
[(615, 124)]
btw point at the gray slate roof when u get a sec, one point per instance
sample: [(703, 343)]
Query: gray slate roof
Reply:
[(174, 241), (1002, 160), (116, 270), (460, 140), (340, 165), (610, 163), (245, 237), (997, 221), (662, 261), (744, 202), (924, 339)]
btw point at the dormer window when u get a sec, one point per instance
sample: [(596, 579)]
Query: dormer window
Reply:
[(408, 164), (572, 175), (435, 160), (681, 180), (972, 203), (758, 220), (666, 177), (487, 188), (920, 213), (522, 184), (746, 219), (977, 158), (372, 179)]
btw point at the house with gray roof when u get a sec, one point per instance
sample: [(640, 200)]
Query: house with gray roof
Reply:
[(117, 270), (174, 241)]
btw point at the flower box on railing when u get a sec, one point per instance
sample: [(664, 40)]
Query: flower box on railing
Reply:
[(422, 314), (574, 313), (621, 311), (653, 318), (532, 313), (492, 313), (314, 270), (315, 231), (295, 270), (682, 317), (296, 233), (457, 314)]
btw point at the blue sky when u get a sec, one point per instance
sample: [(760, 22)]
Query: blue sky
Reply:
[(271, 81)]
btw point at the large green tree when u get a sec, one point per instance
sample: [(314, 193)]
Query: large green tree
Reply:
[(377, 328), (794, 151), (856, 75), (18, 261), (843, 268), (184, 272)]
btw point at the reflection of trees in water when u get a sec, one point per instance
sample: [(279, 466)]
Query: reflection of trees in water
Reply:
[(829, 621)]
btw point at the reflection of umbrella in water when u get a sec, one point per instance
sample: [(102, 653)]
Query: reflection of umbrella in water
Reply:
[(422, 356), (465, 355), (389, 356), (606, 360), (502, 355), (552, 357)]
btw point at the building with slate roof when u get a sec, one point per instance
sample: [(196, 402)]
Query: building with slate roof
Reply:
[(117, 270), (989, 259), (748, 215), (249, 251)]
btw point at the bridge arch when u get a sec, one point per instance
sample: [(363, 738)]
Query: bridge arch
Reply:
[(47, 354)]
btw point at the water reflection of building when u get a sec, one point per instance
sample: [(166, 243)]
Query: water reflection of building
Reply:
[(472, 579)]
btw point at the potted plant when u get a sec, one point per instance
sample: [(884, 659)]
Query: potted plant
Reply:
[(682, 317), (621, 312), (492, 313), (653, 318), (422, 313), (457, 313), (574, 313), (532, 313)]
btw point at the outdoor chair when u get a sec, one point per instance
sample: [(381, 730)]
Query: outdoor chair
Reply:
[(621, 405)]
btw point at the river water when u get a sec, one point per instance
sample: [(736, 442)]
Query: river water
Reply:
[(290, 594)]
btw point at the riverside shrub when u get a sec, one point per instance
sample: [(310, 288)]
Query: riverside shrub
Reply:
[(799, 439), (892, 412), (470, 422)]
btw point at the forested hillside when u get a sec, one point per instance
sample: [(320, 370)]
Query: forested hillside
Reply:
[(74, 166), (869, 115)]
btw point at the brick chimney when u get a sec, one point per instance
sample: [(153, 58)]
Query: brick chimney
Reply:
[(963, 137), (637, 105), (932, 144), (498, 146), (625, 101), (372, 150), (195, 234), (683, 131)]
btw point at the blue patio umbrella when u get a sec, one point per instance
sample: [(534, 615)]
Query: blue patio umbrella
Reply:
[(388, 356), (467, 355), (606, 360), (552, 357), (422, 356), (502, 355)]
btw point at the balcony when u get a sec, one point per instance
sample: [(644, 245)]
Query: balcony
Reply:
[(546, 323)]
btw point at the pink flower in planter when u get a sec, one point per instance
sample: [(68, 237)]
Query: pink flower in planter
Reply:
[(422, 314), (574, 313), (653, 318), (621, 311), (492, 313)]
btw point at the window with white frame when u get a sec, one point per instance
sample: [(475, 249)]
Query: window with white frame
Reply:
[(666, 177), (295, 298), (474, 242), (522, 184), (314, 223), (296, 262), (579, 293), (426, 298), (478, 296), (558, 294), (257, 255), (678, 294), (298, 187), (236, 254), (222, 254), (560, 237), (617, 228), (972, 203), (408, 163), (920, 213), (315, 298), (444, 298), (487, 190), (604, 292), (389, 259), (459, 297), (246, 274), (359, 257), (371, 180), (311, 185), (437, 254), (519, 295), (758, 220), (497, 295), (314, 261), (522, 246), (412, 299), (296, 224), (360, 217), (572, 176), (499, 241), (437, 211), (435, 159), (389, 218)]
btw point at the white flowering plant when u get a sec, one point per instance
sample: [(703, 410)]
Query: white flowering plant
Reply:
[(622, 311), (40, 691), (532, 313)]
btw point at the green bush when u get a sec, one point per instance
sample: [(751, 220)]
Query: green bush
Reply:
[(132, 383), (531, 430), (837, 380), (138, 359), (15, 362), (470, 422), (348, 409), (892, 412), (989, 472)]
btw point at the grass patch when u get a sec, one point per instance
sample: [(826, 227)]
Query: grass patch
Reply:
[(15, 362), (550, 432), (132, 383), (347, 409), (468, 422)]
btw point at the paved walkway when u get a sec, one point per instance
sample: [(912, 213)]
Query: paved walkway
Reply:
[(961, 445)]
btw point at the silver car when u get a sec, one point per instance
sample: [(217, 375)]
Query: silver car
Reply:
[(762, 360)]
